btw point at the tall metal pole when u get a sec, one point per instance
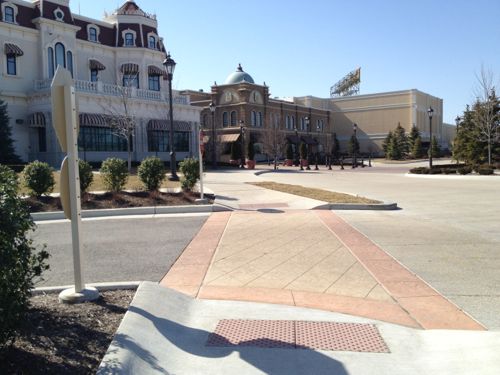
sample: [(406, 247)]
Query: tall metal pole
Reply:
[(242, 145), (173, 166), (430, 112), (214, 153)]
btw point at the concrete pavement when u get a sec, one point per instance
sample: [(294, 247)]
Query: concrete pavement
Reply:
[(273, 249)]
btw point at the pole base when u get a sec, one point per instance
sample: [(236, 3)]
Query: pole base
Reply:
[(69, 296), (201, 201), (173, 178)]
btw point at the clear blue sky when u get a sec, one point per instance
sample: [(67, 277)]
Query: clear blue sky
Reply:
[(301, 48)]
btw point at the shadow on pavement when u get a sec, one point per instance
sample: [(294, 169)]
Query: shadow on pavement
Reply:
[(193, 341)]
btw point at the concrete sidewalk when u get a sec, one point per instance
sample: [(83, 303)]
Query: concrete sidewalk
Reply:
[(176, 337)]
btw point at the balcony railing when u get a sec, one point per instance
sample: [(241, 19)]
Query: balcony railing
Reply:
[(100, 88)]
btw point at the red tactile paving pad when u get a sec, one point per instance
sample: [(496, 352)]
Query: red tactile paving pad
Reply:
[(257, 333), (352, 337), (288, 334)]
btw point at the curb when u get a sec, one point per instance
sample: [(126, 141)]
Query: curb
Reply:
[(102, 287), (59, 215), (386, 206), (455, 177)]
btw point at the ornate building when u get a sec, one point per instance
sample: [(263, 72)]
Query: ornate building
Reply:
[(311, 120), (116, 63)]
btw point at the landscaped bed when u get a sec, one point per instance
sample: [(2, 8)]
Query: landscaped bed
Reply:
[(65, 339), (122, 199), (313, 193)]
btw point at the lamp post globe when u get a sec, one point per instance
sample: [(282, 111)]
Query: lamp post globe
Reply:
[(430, 112), (169, 65)]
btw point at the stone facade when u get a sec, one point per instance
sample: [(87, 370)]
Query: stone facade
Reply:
[(121, 51)]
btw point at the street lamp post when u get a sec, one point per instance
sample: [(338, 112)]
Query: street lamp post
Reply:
[(242, 140), (430, 112), (317, 147), (297, 156), (355, 130), (214, 151), (169, 64), (307, 122)]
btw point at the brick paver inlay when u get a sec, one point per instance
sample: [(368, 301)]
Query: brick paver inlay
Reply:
[(288, 334)]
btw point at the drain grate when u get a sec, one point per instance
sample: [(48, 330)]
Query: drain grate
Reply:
[(290, 334)]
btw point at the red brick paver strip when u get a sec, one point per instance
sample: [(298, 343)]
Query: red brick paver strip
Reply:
[(187, 274), (422, 302)]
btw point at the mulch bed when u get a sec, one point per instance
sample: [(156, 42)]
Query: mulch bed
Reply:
[(65, 339), (91, 201)]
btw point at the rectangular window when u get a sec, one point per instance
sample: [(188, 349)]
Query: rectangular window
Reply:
[(94, 73), (131, 80), (154, 83), (181, 141), (158, 141), (11, 65), (100, 139), (9, 15), (42, 140)]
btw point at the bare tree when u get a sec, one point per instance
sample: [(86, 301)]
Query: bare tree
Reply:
[(487, 114), (273, 141), (122, 121)]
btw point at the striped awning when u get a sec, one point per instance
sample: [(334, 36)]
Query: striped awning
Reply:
[(36, 120), (180, 126), (13, 50), (130, 68), (93, 119), (228, 138), (96, 65), (155, 71)]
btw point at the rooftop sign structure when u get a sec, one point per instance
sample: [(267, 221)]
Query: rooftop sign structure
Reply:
[(347, 86)]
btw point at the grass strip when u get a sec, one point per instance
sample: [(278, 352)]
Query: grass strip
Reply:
[(313, 193)]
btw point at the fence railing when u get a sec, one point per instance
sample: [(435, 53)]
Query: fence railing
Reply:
[(101, 88)]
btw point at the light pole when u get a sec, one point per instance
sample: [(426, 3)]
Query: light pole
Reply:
[(317, 147), (169, 64), (242, 140), (306, 119), (214, 153), (354, 145), (297, 146), (430, 112)]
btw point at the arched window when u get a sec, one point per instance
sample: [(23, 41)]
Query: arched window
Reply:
[(302, 124), (287, 122), (9, 15), (51, 61), (292, 122), (154, 82), (93, 34), (152, 42), (60, 55), (253, 118), (129, 39), (69, 62), (225, 119), (233, 118), (259, 119)]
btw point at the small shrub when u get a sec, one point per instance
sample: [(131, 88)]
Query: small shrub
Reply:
[(38, 178), (114, 174), (151, 172), (465, 170), (190, 168), (20, 263), (436, 171), (86, 175), (448, 170), (485, 170), (420, 170)]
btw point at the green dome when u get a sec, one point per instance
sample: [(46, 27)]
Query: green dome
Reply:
[(239, 77)]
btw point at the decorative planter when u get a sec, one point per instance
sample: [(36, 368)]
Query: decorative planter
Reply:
[(288, 162), (251, 164), (304, 162), (234, 162)]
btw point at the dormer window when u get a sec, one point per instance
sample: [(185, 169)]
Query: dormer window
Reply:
[(93, 34), (152, 42), (129, 39), (9, 15)]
